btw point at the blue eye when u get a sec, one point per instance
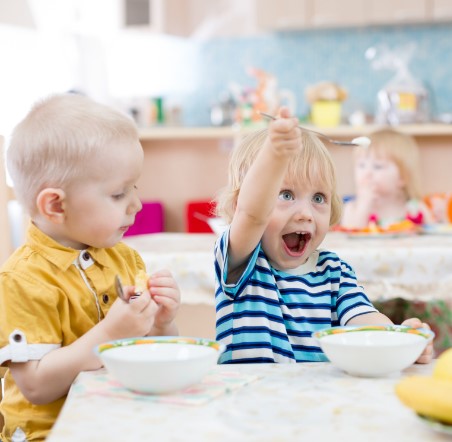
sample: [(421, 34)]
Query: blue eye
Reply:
[(286, 195), (318, 198)]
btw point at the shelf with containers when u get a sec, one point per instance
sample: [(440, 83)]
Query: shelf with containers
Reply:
[(183, 164)]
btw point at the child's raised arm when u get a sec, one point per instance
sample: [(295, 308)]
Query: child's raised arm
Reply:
[(261, 186)]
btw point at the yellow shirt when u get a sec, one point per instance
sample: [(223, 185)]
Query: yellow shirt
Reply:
[(52, 295)]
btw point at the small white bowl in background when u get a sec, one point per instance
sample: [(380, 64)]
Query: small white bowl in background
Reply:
[(373, 351), (218, 225), (160, 364)]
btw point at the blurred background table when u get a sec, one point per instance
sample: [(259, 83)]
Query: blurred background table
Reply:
[(415, 267), (189, 256), (403, 276)]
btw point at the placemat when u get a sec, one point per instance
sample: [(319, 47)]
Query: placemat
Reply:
[(212, 386)]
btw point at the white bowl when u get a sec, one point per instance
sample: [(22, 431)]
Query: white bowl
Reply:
[(218, 225), (159, 364), (373, 351)]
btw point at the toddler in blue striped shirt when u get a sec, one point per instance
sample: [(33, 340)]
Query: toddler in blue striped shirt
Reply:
[(274, 286)]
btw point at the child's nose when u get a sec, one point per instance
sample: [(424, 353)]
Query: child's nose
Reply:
[(135, 206), (303, 211)]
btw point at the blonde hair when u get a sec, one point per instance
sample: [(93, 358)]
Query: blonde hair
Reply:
[(403, 150), (312, 163), (56, 141)]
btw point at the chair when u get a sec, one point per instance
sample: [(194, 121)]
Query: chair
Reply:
[(2, 374), (6, 246)]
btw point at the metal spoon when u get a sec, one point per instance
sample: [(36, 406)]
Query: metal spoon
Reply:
[(120, 290), (330, 140)]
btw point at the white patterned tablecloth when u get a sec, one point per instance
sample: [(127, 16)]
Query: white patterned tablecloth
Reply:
[(416, 267), (286, 402)]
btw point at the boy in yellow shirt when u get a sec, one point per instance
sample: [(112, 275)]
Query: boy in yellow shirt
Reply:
[(75, 164)]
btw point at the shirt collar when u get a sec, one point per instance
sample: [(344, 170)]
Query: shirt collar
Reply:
[(308, 267), (58, 254)]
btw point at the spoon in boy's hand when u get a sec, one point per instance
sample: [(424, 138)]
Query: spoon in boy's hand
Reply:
[(360, 141), (120, 290)]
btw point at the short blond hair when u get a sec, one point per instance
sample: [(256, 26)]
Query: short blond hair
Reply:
[(56, 141), (312, 163), (403, 150)]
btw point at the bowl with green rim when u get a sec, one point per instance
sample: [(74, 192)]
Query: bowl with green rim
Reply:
[(373, 350), (159, 364)]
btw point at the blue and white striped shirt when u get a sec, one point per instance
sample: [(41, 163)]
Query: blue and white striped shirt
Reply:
[(269, 315)]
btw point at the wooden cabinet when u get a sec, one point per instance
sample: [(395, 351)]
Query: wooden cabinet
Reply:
[(312, 14), (191, 18), (397, 11), (218, 18), (283, 15), (306, 14), (441, 10), (331, 13), (159, 16), (224, 18)]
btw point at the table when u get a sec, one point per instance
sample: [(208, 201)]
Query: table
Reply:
[(415, 267), (190, 258), (307, 401)]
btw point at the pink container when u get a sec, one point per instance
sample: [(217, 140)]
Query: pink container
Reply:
[(149, 220)]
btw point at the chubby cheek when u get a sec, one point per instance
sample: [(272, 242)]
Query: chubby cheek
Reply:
[(271, 238), (323, 217), (105, 224)]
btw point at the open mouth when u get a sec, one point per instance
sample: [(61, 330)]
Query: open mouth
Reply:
[(296, 242)]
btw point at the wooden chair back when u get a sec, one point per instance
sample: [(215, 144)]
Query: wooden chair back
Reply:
[(6, 246), (2, 374)]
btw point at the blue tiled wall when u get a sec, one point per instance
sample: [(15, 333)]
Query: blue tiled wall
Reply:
[(302, 58)]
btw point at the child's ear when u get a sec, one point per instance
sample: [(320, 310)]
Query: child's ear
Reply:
[(50, 204)]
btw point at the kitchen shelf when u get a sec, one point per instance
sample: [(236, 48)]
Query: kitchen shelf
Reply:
[(185, 164), (177, 133)]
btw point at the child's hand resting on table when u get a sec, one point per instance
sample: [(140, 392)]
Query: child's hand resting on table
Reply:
[(427, 355)]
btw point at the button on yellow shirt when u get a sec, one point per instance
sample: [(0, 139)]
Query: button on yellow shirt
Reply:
[(54, 295)]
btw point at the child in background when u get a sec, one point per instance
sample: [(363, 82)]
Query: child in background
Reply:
[(440, 206), (75, 164), (274, 287), (387, 181)]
